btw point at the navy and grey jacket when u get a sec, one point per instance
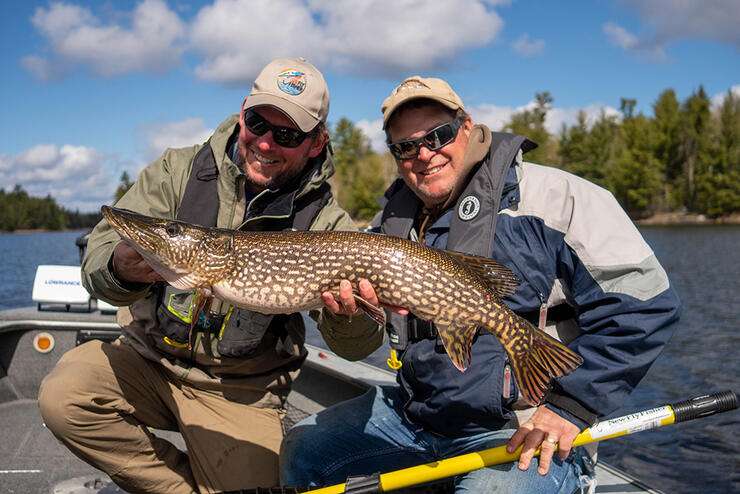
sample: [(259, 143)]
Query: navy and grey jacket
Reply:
[(575, 251)]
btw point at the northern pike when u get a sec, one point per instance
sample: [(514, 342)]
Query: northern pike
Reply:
[(287, 271)]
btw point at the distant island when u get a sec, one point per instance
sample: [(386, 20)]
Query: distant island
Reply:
[(21, 212)]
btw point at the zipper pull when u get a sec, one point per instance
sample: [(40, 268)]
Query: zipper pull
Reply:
[(543, 313), (393, 362), (506, 392)]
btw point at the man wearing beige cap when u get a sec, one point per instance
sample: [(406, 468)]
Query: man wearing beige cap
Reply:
[(264, 168), (586, 276)]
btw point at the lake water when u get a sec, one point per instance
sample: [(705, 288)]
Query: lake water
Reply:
[(703, 263)]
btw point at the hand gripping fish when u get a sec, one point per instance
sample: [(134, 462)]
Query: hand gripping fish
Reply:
[(286, 271)]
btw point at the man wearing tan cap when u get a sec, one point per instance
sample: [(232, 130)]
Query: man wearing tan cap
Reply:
[(587, 277), (264, 168)]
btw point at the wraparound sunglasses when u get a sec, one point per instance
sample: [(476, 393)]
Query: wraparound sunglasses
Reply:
[(283, 136), (434, 139)]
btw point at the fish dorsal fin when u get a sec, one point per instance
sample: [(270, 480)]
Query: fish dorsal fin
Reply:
[(498, 277)]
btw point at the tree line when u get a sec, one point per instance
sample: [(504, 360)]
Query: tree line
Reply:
[(19, 211), (684, 158)]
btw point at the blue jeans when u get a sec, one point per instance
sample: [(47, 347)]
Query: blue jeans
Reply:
[(370, 434)]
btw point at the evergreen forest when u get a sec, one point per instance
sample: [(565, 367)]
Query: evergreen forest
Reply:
[(685, 159), (19, 211)]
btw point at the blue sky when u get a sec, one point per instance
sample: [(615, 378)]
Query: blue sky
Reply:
[(94, 88)]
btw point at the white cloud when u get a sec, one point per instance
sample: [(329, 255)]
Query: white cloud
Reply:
[(619, 36), (496, 117), (719, 98), (235, 38), (151, 42), (373, 130), (84, 178), (670, 21), (160, 136), (73, 175), (397, 37), (44, 69), (556, 117), (527, 48), (251, 33), (344, 35)]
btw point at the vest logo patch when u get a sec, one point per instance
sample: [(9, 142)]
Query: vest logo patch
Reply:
[(469, 208), (291, 82)]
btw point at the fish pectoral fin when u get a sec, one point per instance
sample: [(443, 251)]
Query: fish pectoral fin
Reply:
[(372, 311), (202, 302), (457, 341)]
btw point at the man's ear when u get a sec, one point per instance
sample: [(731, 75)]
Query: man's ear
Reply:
[(318, 143), (468, 125)]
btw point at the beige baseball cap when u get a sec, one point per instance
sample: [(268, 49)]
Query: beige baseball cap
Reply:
[(416, 87), (295, 87)]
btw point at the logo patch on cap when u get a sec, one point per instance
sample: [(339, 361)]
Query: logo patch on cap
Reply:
[(412, 84), (291, 81), (469, 208)]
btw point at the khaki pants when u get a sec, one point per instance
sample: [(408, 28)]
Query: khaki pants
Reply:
[(100, 399)]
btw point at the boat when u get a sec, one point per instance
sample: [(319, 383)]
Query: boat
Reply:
[(33, 338)]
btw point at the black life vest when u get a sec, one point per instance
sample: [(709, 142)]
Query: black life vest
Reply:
[(241, 333), (472, 229)]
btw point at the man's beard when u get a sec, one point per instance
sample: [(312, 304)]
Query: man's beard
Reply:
[(271, 183)]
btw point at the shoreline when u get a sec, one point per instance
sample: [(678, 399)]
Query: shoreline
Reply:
[(678, 219), (42, 230), (660, 219)]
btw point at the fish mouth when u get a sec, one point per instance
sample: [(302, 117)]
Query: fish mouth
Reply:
[(140, 231)]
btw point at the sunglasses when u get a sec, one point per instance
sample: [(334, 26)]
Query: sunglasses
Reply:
[(434, 139), (283, 136)]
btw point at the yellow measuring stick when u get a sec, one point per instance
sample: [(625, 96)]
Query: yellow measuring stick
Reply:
[(698, 407)]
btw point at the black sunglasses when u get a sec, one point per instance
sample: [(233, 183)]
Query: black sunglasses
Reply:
[(283, 136), (434, 139)]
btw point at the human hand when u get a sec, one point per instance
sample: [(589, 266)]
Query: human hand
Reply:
[(347, 305), (548, 430), (129, 266)]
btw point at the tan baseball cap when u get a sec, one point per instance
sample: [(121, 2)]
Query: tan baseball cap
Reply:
[(295, 87), (416, 87)]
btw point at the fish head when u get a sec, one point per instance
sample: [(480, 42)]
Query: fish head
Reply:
[(187, 256)]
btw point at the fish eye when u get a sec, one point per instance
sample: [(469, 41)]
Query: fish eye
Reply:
[(172, 229)]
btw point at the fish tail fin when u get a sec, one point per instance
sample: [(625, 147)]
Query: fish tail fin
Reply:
[(543, 360)]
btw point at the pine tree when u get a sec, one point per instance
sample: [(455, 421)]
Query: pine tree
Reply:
[(696, 151), (667, 147), (531, 124), (589, 152), (361, 175), (723, 192), (635, 179), (124, 186)]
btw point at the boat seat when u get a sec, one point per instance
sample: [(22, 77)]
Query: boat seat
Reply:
[(56, 285)]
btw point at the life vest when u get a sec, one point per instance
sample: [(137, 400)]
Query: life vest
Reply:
[(241, 333), (472, 227)]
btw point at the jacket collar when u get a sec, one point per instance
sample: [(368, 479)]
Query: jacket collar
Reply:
[(277, 203)]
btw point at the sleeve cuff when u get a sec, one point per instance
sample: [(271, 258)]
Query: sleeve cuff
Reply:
[(128, 286), (569, 408)]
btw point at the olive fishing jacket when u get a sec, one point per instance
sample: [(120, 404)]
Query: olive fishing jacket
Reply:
[(577, 255), (261, 379)]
